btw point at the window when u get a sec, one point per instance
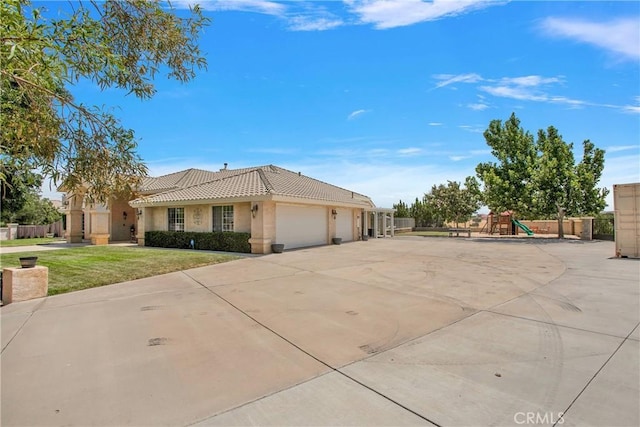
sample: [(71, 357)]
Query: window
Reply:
[(176, 219), (223, 218)]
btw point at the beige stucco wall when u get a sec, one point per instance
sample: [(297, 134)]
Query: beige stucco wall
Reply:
[(263, 228), (156, 218), (197, 218), (121, 228), (242, 217)]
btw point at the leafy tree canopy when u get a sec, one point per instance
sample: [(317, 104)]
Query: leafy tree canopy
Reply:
[(540, 179), (115, 44), (454, 202), (21, 201), (402, 210)]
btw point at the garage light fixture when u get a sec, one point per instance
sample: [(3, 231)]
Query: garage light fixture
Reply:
[(254, 210)]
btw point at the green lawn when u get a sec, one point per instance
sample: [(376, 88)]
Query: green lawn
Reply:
[(424, 233), (29, 242), (91, 266)]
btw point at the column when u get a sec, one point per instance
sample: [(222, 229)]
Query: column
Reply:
[(392, 227), (99, 225), (140, 226)]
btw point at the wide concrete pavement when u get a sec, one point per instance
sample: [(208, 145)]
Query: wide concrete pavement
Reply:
[(403, 331)]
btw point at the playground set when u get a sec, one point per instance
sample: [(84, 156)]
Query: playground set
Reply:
[(504, 224)]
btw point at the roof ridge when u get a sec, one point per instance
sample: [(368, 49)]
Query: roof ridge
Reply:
[(265, 180), (317, 180)]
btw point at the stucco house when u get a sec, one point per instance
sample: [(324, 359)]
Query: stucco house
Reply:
[(273, 204)]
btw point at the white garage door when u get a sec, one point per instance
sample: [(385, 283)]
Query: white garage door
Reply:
[(344, 225), (300, 226)]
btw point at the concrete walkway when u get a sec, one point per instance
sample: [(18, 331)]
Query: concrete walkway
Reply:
[(402, 331)]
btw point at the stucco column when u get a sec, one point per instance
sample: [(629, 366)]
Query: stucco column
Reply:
[(74, 226), (140, 226), (375, 224), (100, 219), (263, 227), (392, 227), (74, 217)]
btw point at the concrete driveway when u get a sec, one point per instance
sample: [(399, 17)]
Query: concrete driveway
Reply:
[(402, 331)]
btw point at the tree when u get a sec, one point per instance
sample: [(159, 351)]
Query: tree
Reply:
[(540, 178), (402, 210), (424, 214), (561, 186), (453, 202), (38, 211), (590, 200), (21, 202), (508, 183), (114, 44), (553, 177), (16, 188)]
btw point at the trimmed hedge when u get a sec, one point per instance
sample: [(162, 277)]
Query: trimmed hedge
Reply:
[(226, 241)]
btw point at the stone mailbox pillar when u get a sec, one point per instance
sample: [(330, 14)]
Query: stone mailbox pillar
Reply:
[(21, 284)]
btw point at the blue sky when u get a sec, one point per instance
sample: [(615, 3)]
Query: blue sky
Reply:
[(389, 98)]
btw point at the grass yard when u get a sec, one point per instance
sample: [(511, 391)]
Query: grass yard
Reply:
[(424, 233), (91, 266), (29, 242)]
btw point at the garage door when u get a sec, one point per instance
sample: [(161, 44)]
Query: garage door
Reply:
[(344, 225), (300, 226)]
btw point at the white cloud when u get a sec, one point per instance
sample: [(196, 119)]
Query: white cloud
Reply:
[(528, 81), (620, 37), (435, 124), (478, 106), (617, 148), (399, 13), (306, 23), (473, 129), (357, 113), (529, 88), (448, 79), (458, 158), (410, 151), (257, 6)]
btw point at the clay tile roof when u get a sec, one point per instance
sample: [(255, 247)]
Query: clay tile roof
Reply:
[(196, 184)]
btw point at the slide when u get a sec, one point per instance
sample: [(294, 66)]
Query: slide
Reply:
[(524, 227)]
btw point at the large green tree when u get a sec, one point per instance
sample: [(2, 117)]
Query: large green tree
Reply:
[(508, 182), (553, 177), (540, 179), (114, 44), (21, 201), (454, 202)]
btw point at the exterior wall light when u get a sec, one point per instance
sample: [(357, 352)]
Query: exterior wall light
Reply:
[(254, 210), (139, 213), (124, 216), (334, 213)]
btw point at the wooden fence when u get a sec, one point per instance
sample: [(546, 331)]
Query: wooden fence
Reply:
[(31, 231)]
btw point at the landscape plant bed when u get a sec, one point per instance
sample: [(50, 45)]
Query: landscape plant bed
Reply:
[(92, 266)]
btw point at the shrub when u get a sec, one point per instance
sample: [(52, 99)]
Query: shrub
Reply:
[(226, 241)]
